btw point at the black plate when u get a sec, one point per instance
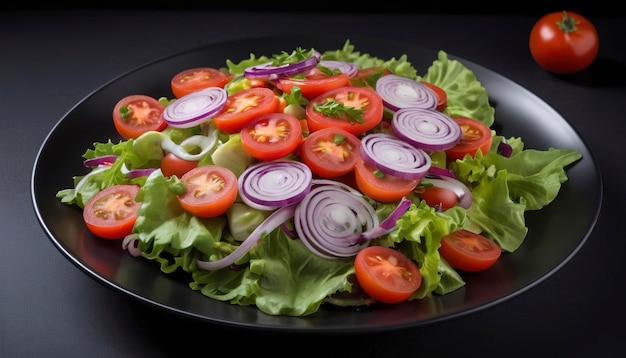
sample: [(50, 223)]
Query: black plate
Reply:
[(555, 234)]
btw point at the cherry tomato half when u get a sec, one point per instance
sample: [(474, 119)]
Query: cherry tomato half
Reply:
[(241, 107), (363, 99), (136, 114), (314, 84), (211, 190), (271, 136), (564, 42), (112, 212), (173, 165), (194, 79), (468, 251), (384, 188), (386, 275), (330, 152), (475, 135), (436, 197)]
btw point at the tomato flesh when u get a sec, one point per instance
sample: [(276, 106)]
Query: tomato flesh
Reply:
[(245, 105), (359, 98), (384, 188), (475, 135), (330, 152), (211, 190), (271, 136), (314, 84), (386, 274), (112, 212), (136, 114), (468, 251), (195, 79)]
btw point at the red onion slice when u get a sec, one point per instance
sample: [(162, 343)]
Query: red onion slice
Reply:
[(270, 72), (270, 185), (195, 108), (505, 149), (331, 219), (395, 157), (348, 68), (389, 224), (276, 219), (426, 129), (400, 92), (102, 160)]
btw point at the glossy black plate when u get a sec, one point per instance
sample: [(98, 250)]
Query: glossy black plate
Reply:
[(555, 234)]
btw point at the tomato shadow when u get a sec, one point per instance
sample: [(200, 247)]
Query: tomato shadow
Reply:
[(603, 72)]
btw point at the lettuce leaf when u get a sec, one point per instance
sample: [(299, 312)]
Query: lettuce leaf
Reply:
[(466, 95)]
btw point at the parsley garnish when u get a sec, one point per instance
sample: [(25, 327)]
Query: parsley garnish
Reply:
[(295, 56), (339, 110)]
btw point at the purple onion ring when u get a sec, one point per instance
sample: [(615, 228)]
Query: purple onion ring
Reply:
[(429, 130), (392, 156), (195, 108), (270, 185), (400, 92)]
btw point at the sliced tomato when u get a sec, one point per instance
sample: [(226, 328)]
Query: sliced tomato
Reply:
[(439, 198), (468, 251), (440, 93), (173, 165), (314, 83), (385, 188), (211, 190), (243, 106), (363, 99), (330, 152), (194, 79), (386, 275), (112, 212), (136, 114), (475, 135), (271, 136)]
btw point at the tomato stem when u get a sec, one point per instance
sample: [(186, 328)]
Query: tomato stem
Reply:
[(568, 24)]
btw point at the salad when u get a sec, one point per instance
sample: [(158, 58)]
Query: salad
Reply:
[(316, 178)]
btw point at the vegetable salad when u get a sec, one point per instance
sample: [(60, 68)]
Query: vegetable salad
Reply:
[(267, 263)]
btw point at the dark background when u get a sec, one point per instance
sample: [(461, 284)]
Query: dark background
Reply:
[(50, 60), (523, 8)]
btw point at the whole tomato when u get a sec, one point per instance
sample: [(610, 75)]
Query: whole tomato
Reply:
[(564, 42)]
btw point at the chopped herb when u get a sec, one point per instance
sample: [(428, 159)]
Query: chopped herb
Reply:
[(125, 112), (336, 109), (328, 71), (295, 97), (295, 56), (338, 139)]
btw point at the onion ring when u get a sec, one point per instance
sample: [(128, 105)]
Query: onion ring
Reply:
[(400, 92), (426, 129), (331, 219), (270, 72), (270, 185), (195, 108), (348, 68), (395, 157)]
